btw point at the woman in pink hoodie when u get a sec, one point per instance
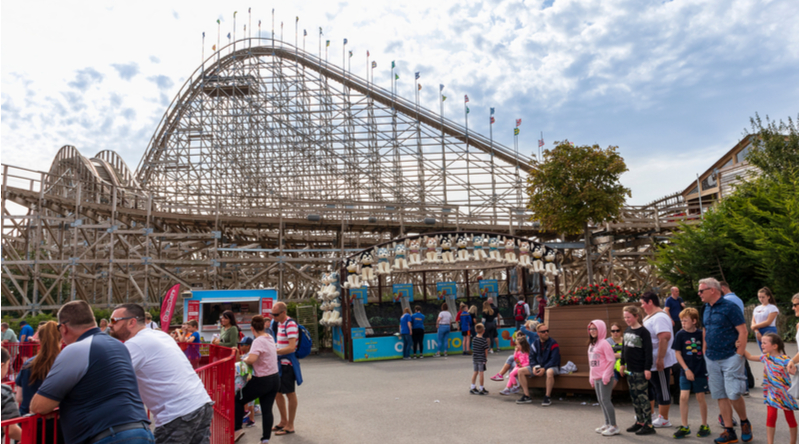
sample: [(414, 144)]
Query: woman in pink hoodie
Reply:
[(601, 374)]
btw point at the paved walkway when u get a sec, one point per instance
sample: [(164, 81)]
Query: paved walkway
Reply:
[(428, 401)]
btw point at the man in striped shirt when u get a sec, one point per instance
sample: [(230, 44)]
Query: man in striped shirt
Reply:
[(287, 336), (479, 347)]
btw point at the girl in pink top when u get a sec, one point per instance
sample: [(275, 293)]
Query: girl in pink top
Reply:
[(521, 352), (264, 384), (601, 373)]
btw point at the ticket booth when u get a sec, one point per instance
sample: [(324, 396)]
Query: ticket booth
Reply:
[(206, 306)]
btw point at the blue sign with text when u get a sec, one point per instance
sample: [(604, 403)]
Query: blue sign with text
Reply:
[(445, 288), (403, 291), (389, 348)]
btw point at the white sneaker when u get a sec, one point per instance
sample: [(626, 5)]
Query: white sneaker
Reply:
[(601, 429), (506, 392), (661, 422), (611, 431), (515, 389)]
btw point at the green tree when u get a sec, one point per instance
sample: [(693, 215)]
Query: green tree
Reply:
[(750, 239), (575, 185)]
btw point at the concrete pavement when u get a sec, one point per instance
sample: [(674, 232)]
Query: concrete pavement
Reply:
[(428, 401)]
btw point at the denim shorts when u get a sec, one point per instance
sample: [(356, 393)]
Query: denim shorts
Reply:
[(699, 385), (726, 378)]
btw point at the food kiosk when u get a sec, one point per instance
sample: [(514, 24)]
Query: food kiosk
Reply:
[(206, 306)]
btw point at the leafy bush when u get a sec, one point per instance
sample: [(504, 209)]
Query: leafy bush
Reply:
[(603, 293)]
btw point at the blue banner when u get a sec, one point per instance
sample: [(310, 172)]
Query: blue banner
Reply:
[(389, 348), (358, 333), (359, 293), (488, 288), (403, 290), (338, 341), (445, 288)]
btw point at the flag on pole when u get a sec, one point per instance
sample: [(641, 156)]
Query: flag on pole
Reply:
[(396, 76), (491, 110), (345, 41), (374, 64), (213, 47), (466, 98), (305, 33), (416, 75), (327, 43), (491, 119), (204, 34), (519, 122), (320, 30), (541, 142), (419, 86), (467, 109), (516, 131), (217, 21), (351, 53), (229, 36), (444, 98), (296, 18), (234, 14), (248, 10), (259, 23), (441, 87), (392, 64), (367, 53), (571, 144)]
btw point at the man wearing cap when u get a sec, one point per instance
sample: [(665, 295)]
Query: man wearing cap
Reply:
[(168, 384), (25, 332)]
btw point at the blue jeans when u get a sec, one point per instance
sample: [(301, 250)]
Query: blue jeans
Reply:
[(140, 435), (444, 332), (406, 345)]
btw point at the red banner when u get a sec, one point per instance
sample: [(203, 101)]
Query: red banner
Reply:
[(266, 308), (193, 312), (168, 306)]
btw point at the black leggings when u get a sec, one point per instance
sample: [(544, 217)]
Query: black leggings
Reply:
[(264, 389), (417, 335)]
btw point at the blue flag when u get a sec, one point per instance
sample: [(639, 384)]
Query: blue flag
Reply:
[(491, 110), (345, 41), (416, 75)]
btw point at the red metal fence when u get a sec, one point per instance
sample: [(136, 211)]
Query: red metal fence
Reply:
[(214, 366)]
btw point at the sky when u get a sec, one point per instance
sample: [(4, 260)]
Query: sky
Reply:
[(672, 84)]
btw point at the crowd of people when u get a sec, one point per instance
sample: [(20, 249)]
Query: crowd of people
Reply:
[(708, 349), (105, 382)]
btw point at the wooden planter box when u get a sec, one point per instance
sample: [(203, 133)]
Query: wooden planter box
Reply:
[(567, 326)]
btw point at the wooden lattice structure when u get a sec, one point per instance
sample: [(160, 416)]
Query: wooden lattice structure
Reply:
[(268, 167)]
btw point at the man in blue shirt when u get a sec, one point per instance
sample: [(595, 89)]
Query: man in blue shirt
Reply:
[(93, 383), (25, 332), (728, 294), (724, 342), (673, 306)]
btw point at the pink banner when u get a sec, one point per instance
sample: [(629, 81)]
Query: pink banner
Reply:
[(168, 306)]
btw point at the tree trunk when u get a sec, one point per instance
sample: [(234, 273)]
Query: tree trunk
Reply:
[(588, 242)]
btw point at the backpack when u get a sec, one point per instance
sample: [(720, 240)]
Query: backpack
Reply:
[(303, 341), (519, 312)]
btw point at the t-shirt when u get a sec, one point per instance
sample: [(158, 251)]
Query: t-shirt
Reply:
[(267, 363), (445, 318), (465, 320), (542, 305), (720, 322), (675, 308), (195, 337), (404, 320), (9, 336), (169, 386), (490, 318), (617, 348), (417, 321), (9, 406), (27, 331), (690, 346), (286, 331), (479, 347), (637, 354), (657, 324), (94, 382), (733, 298), (151, 325), (28, 389), (761, 313)]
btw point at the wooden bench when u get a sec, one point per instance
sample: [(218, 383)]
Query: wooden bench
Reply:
[(567, 326)]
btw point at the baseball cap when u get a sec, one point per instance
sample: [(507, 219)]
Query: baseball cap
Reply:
[(246, 341)]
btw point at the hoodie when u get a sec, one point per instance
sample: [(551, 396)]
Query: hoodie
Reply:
[(601, 356)]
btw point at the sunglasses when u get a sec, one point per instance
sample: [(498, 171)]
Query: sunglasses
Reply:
[(615, 330), (700, 292), (794, 304), (114, 320), (544, 331), (274, 314)]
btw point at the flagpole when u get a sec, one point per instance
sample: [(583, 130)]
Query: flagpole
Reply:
[(491, 160), (218, 30), (234, 30), (250, 25), (273, 27), (296, 22), (203, 50), (281, 33)]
